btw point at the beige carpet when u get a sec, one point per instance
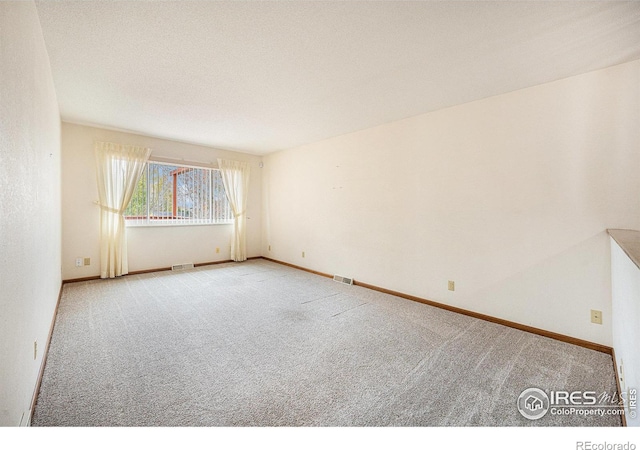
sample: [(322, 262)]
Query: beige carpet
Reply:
[(261, 344)]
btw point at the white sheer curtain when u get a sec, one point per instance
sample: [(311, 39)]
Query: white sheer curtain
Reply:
[(119, 168), (235, 177)]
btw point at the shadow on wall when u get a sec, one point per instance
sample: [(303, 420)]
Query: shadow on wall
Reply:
[(556, 294)]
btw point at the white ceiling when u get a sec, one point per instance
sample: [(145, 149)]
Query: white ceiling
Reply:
[(260, 76)]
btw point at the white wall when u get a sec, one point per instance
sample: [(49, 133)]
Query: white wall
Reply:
[(626, 324), (30, 212), (509, 197), (148, 247)]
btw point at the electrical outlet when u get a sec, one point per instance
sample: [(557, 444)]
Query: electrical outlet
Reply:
[(87, 261), (269, 248), (79, 262), (452, 285), (217, 249), (596, 316), (303, 254), (35, 349)]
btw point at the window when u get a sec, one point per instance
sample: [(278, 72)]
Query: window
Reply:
[(178, 195)]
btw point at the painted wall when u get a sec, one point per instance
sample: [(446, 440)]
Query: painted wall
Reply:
[(625, 279), (509, 197), (148, 247), (30, 213)]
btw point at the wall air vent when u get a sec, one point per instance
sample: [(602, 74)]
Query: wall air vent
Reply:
[(344, 280), (182, 266)]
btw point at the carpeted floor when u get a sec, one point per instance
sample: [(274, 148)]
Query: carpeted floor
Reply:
[(261, 344)]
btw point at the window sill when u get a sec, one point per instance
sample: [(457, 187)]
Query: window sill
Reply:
[(163, 225)]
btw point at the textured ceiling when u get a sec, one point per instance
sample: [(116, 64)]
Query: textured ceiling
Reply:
[(260, 76)]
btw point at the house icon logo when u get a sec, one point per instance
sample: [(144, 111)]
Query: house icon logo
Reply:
[(533, 403)]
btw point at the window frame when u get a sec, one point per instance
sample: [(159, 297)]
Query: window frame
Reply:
[(178, 164)]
